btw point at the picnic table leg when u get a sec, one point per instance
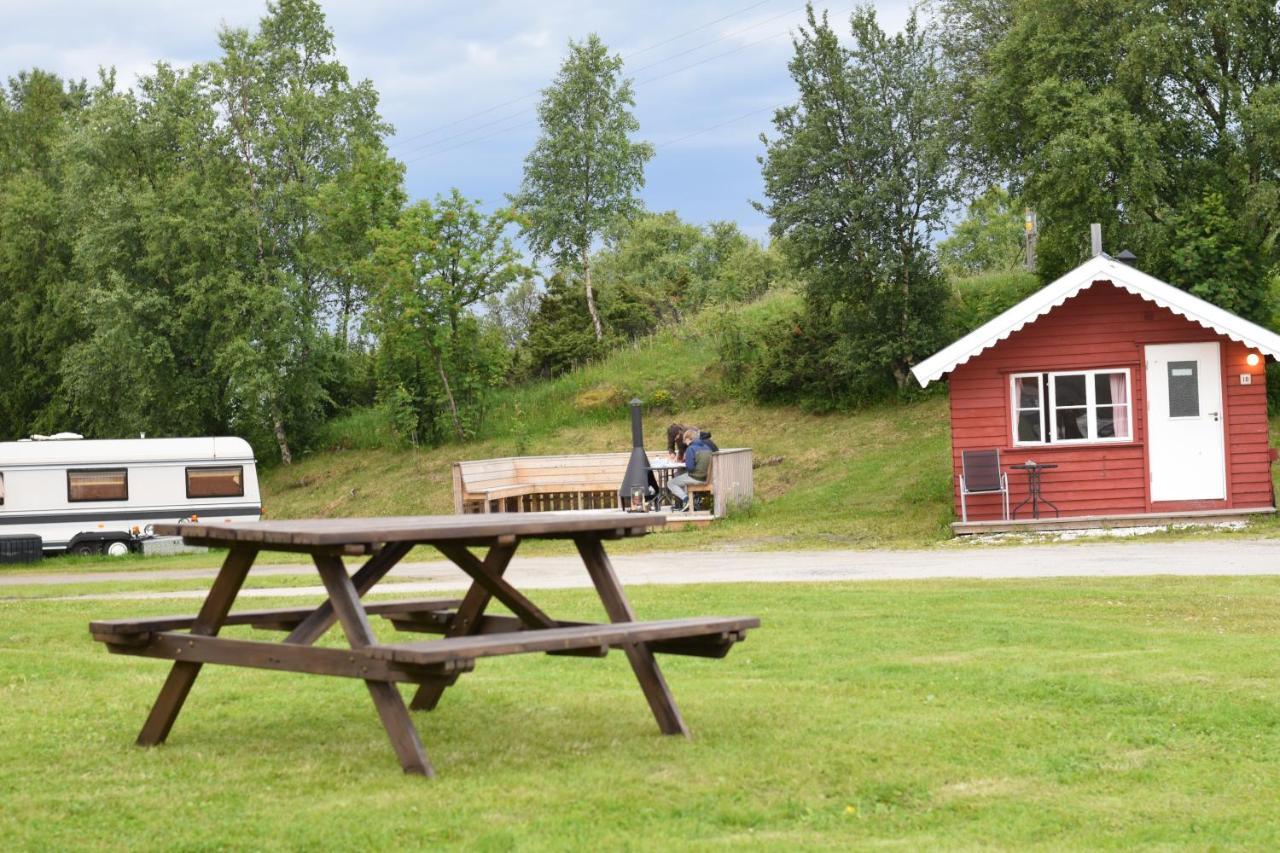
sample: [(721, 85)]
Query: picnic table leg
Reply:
[(655, 688), (183, 673), (386, 696), (465, 622), (322, 618)]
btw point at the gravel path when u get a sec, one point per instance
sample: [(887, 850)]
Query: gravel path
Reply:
[(1217, 557)]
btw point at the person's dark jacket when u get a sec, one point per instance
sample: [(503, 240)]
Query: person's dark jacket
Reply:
[(691, 466), (705, 438)]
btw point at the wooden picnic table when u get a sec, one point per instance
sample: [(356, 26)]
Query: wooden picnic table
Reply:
[(432, 665)]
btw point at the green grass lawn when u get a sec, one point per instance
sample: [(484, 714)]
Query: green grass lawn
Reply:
[(1060, 714)]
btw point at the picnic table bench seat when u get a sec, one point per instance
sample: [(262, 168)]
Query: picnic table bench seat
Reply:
[(700, 637), (280, 619)]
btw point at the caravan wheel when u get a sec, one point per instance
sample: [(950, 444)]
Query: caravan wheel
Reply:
[(118, 549), (85, 549)]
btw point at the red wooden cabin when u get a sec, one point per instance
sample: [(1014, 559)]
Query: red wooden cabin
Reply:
[(1150, 401)]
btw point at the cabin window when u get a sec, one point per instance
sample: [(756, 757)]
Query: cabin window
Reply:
[(1071, 407), (1184, 389), (1, 489), (224, 482), (98, 485)]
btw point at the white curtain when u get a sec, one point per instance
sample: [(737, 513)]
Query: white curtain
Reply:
[(1120, 404)]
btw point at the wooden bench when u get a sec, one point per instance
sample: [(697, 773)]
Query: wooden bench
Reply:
[(539, 483), (582, 481)]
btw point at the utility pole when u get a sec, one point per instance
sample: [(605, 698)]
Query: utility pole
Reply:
[(1030, 226)]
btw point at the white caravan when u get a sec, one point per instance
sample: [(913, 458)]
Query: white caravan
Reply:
[(94, 497)]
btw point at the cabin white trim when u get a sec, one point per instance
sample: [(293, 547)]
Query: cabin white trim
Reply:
[(1100, 269)]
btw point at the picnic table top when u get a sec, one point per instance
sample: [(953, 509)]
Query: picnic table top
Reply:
[(414, 528)]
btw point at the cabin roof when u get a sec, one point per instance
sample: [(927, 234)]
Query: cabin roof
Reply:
[(124, 451), (1099, 269)]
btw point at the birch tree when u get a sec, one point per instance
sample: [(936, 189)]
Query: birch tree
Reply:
[(584, 171)]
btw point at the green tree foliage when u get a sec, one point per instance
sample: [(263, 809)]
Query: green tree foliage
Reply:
[(657, 269), (558, 340), (426, 273), (297, 127), (989, 238), (857, 178), (654, 270), (582, 175), (181, 258), (37, 288), (978, 298), (1157, 120)]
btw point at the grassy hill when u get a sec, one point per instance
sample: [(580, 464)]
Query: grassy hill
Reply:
[(875, 478)]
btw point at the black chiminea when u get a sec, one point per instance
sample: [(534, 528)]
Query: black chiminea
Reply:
[(638, 475)]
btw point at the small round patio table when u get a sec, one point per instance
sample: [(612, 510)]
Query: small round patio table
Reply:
[(1034, 497)]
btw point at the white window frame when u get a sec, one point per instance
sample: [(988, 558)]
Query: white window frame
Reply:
[(1049, 406)]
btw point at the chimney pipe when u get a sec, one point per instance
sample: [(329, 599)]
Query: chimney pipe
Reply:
[(637, 475), (637, 431), (1095, 239)]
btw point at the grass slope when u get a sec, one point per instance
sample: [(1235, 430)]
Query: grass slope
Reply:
[(1071, 714), (874, 478)]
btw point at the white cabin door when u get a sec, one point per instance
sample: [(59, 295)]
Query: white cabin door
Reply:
[(1184, 422)]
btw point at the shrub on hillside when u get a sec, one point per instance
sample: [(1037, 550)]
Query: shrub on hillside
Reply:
[(661, 401), (599, 397), (976, 299)]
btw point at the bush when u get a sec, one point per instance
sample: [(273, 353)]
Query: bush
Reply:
[(367, 428), (661, 402), (599, 397), (977, 299)]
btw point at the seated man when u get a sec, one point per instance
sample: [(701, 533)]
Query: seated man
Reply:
[(697, 465)]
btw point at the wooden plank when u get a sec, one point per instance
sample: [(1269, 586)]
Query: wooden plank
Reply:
[(286, 616), (287, 657), (652, 682), (437, 622), (386, 697), (498, 588), (183, 674), (314, 534), (621, 634), (466, 620), (318, 622)]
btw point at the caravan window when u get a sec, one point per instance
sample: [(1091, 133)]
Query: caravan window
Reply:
[(99, 485), (224, 482), (1, 489)]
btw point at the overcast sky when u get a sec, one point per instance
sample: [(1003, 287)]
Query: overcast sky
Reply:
[(459, 80)]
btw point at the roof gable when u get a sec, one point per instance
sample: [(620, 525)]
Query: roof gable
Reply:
[(1101, 268)]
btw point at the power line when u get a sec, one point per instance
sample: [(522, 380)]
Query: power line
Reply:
[(427, 146), (529, 95), (738, 49), (727, 35), (430, 153), (427, 151), (665, 42), (680, 139)]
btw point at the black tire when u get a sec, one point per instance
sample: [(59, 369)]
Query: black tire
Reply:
[(85, 549)]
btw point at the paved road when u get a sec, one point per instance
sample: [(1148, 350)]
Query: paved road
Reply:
[(1217, 557)]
